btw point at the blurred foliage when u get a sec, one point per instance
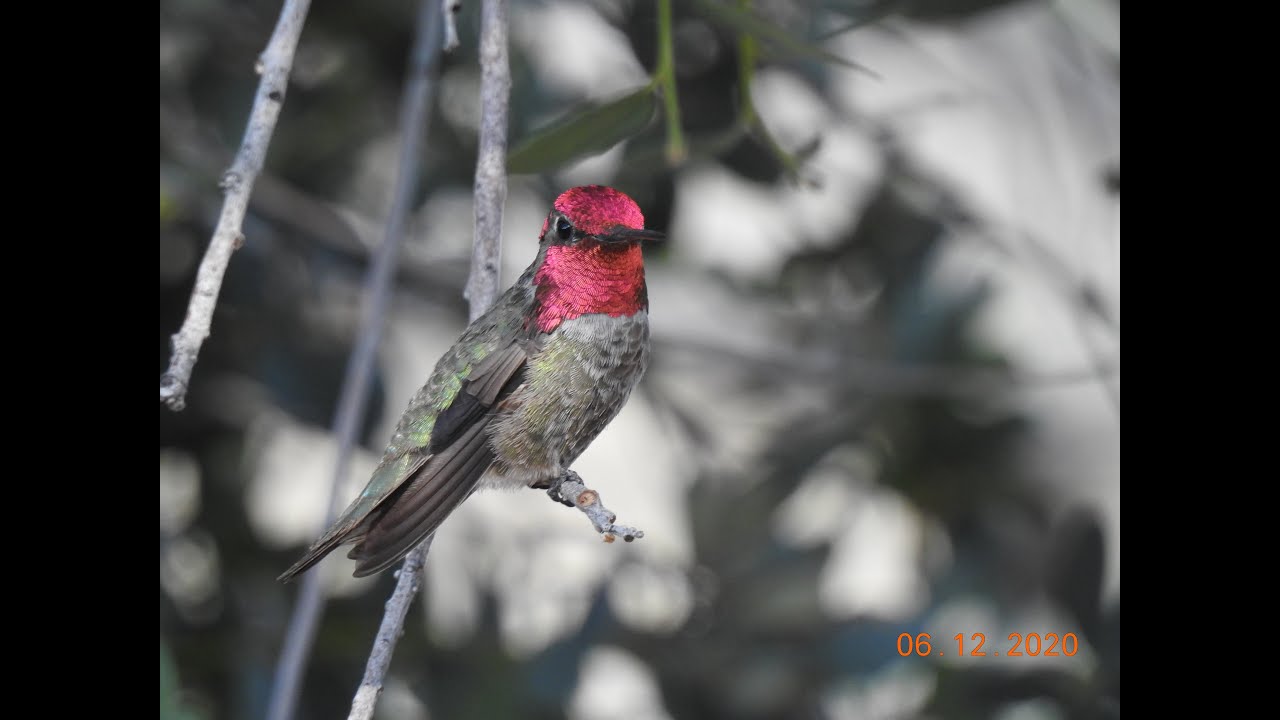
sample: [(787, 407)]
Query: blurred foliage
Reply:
[(172, 706), (758, 644), (777, 41), (584, 133)]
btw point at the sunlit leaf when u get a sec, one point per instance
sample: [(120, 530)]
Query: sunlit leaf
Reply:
[(778, 40), (589, 132)]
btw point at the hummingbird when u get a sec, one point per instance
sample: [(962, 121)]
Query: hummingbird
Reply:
[(524, 390)]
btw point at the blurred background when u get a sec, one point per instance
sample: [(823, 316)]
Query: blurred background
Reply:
[(884, 395)]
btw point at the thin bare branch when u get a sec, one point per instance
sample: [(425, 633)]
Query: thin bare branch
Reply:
[(415, 115), (274, 66), (384, 645), (482, 290), (491, 159)]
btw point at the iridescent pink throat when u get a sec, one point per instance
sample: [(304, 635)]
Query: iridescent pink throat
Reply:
[(589, 278)]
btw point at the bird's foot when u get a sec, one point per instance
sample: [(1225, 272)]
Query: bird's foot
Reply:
[(553, 485)]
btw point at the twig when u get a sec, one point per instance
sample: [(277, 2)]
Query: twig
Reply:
[(274, 65), (491, 157), (449, 8), (389, 632), (573, 491), (415, 115), (482, 290)]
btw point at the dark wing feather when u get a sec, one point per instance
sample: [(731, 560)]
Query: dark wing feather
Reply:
[(436, 479), (423, 503), (352, 524), (479, 393)]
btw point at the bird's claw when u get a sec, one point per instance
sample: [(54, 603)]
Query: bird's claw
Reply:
[(553, 489), (553, 492)]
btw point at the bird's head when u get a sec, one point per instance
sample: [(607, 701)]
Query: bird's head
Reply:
[(591, 260), (595, 213)]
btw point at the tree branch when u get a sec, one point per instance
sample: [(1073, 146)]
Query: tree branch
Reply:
[(274, 65), (491, 157), (482, 290), (415, 116), (389, 632), (571, 490)]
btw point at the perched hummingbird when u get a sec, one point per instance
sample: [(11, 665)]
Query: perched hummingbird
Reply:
[(523, 392)]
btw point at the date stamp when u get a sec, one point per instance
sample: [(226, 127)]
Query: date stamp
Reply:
[(975, 645)]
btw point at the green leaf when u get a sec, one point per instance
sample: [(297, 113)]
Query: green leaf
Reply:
[(585, 133), (780, 41)]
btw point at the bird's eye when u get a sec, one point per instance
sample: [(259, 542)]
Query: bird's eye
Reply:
[(564, 229)]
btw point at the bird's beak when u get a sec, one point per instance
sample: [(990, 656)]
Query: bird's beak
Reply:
[(629, 235)]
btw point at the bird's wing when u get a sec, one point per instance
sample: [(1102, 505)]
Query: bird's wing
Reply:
[(460, 454), (432, 465)]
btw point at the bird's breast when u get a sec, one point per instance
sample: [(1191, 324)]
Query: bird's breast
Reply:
[(573, 387)]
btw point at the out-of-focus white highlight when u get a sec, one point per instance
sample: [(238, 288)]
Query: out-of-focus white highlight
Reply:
[(190, 572), (873, 567), (650, 597), (615, 685), (179, 490), (594, 170), (399, 702), (574, 50), (290, 463)]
